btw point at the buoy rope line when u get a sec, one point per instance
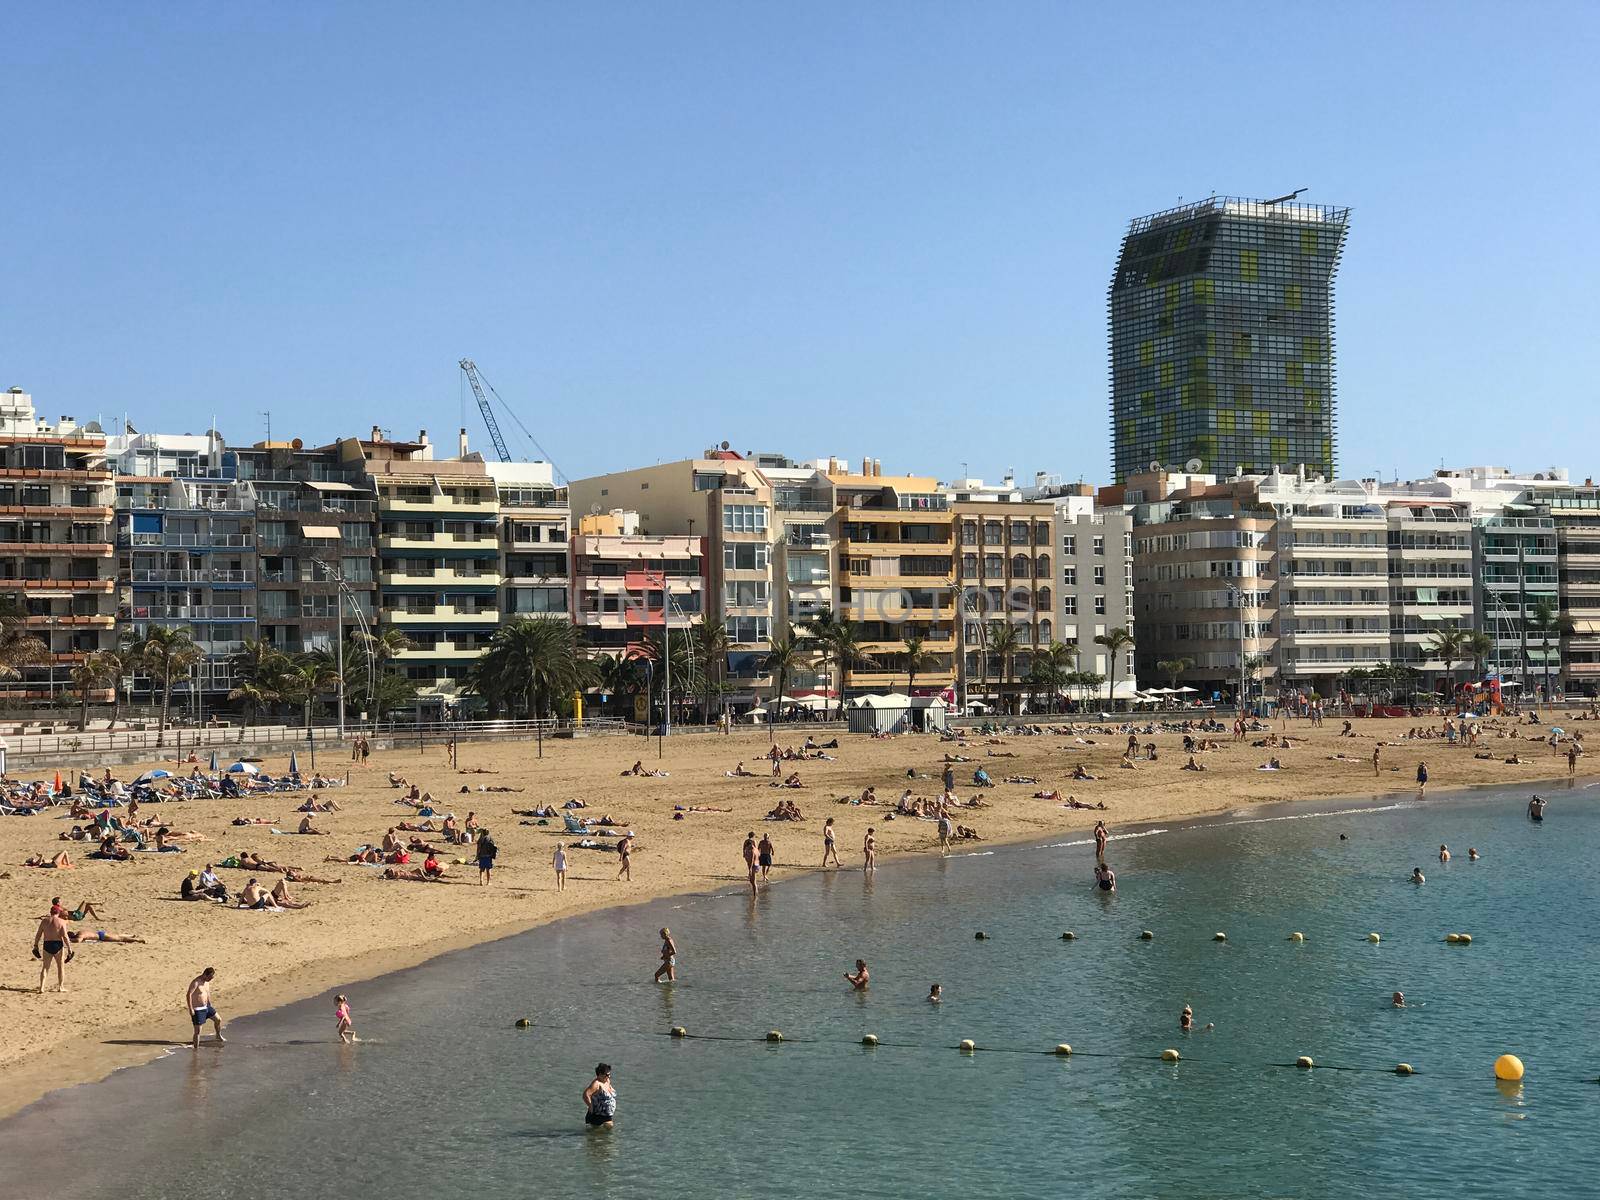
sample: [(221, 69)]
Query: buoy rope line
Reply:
[(1065, 1051)]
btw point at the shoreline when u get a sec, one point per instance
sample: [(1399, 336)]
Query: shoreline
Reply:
[(91, 1058)]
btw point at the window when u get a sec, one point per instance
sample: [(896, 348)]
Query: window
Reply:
[(969, 533), (1043, 598), (1069, 576), (1042, 566), (745, 518), (1019, 532), (1100, 576), (745, 556), (356, 570), (538, 600), (1069, 543), (1099, 545), (1100, 606), (744, 630), (1069, 606), (744, 593), (969, 566), (1019, 565)]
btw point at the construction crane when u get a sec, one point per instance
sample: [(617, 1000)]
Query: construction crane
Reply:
[(470, 369)]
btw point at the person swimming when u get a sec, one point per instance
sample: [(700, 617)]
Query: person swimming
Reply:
[(1536, 809), (1186, 1019), (1105, 878), (1398, 1000), (1417, 876), (859, 978), (936, 994)]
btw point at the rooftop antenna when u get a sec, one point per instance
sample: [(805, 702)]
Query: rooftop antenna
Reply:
[(267, 413), (1284, 199)]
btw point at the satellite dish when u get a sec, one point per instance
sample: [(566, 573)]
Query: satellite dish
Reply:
[(1155, 464), (93, 427), (724, 443), (297, 444), (1194, 464), (594, 510)]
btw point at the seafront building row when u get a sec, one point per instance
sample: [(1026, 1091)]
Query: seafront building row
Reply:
[(1299, 579)]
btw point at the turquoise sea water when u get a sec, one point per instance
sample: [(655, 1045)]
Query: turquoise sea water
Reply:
[(450, 1099)]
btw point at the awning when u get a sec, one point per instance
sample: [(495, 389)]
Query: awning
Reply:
[(328, 485), (1586, 627), (320, 531)]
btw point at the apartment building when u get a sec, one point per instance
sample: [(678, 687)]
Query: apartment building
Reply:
[(186, 553), (438, 556), (535, 534), (1517, 567), (804, 533), (723, 502), (1094, 575), (316, 544), (1205, 586), (896, 565), (57, 562), (628, 586), (1576, 513)]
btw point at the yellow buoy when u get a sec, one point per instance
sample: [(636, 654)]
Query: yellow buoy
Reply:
[(1508, 1067), (1219, 936), (1304, 1062), (1404, 1069), (1297, 937), (1145, 935), (678, 1031), (968, 1045), (524, 1023), (870, 1039), (774, 1036), (1464, 939), (1452, 938), (1063, 1050), (1374, 938), (1170, 1056)]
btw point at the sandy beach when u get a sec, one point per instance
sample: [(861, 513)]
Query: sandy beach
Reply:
[(125, 1002)]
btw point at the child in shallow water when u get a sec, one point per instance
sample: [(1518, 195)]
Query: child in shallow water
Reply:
[(341, 1016)]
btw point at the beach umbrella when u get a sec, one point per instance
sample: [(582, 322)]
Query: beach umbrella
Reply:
[(57, 790), (240, 768), (213, 767), (158, 773), (294, 764), (1184, 691)]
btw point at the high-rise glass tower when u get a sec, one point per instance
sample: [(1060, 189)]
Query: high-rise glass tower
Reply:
[(1221, 319)]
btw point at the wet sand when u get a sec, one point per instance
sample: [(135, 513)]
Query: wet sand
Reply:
[(125, 1002)]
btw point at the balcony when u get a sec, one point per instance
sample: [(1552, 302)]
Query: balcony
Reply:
[(481, 580), (187, 612), (439, 652), (440, 543), (197, 541), (442, 614), (80, 549), (808, 541), (217, 575), (459, 510), (64, 511), (51, 584), (69, 620)]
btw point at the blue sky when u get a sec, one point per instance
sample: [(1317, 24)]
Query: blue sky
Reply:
[(876, 228)]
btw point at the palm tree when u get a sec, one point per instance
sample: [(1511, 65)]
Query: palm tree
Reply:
[(1449, 645), (787, 655), (93, 672), (530, 662), (304, 679), (384, 644), (1478, 646), (254, 698), (1252, 664), (710, 640), (19, 648), (1115, 640), (1088, 681), (1058, 660), (1548, 622), (682, 667), (1172, 668), (844, 647), (1004, 642), (819, 636), (618, 675), (167, 652), (119, 664), (917, 659)]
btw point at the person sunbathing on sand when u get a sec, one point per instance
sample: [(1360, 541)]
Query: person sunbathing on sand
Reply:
[(306, 826), (254, 821), (739, 772), (414, 875), (698, 808), (254, 896), (60, 862), (1078, 772), (1047, 794), (1191, 765), (282, 898), (100, 935)]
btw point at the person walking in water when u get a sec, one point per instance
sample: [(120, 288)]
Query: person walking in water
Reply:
[(859, 978), (750, 858), (201, 1010), (600, 1099), (341, 1019), (869, 851), (625, 850), (1422, 777), (766, 853), (1536, 809), (829, 850), (1101, 836), (669, 957), (50, 946)]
